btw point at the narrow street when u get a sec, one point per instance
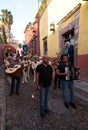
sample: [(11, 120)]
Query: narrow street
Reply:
[(22, 111)]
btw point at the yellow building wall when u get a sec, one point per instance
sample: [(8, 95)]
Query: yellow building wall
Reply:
[(54, 12), (52, 37), (43, 29), (0, 23), (83, 30), (52, 40), (53, 45)]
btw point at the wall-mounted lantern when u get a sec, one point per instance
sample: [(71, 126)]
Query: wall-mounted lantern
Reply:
[(52, 27)]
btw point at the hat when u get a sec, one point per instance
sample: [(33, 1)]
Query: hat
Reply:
[(9, 57)]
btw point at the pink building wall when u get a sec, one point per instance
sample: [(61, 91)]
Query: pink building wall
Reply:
[(83, 65)]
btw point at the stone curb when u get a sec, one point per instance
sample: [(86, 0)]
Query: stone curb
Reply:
[(81, 91), (2, 100)]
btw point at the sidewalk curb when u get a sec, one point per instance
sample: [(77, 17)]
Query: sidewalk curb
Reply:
[(2, 100), (81, 90)]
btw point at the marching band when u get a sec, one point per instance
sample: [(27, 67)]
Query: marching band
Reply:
[(28, 65)]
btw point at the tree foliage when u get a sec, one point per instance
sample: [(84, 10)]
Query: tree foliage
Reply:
[(7, 17), (7, 20), (4, 40)]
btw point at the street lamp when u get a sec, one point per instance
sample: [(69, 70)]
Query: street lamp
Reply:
[(52, 27)]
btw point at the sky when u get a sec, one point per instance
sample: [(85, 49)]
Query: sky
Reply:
[(23, 12)]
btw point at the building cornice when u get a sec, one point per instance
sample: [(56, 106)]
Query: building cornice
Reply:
[(43, 10), (70, 14)]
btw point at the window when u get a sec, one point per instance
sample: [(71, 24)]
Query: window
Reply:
[(69, 36), (45, 46)]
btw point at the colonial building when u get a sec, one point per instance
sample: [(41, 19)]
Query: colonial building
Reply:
[(28, 33), (32, 38), (62, 21), (71, 28)]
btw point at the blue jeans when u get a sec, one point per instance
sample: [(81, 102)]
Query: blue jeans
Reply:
[(15, 81), (70, 85), (44, 93)]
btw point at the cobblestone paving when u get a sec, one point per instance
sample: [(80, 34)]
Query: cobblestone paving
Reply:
[(23, 111)]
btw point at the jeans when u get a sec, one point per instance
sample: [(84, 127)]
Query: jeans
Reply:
[(56, 81), (44, 93), (13, 80), (70, 85)]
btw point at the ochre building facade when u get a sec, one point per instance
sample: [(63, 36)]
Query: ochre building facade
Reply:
[(69, 24)]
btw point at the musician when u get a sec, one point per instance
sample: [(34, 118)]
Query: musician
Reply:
[(28, 72), (7, 61), (65, 73), (34, 66), (16, 76), (20, 50), (28, 62), (25, 70)]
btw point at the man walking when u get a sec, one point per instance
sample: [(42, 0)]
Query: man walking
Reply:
[(65, 73), (44, 76)]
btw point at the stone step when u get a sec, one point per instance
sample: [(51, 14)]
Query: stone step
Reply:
[(81, 89)]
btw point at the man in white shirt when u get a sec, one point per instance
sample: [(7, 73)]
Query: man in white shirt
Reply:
[(20, 50), (34, 65)]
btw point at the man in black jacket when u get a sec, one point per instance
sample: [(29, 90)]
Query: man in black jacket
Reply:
[(44, 76), (65, 73)]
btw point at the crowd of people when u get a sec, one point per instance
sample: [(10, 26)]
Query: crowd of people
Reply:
[(46, 72)]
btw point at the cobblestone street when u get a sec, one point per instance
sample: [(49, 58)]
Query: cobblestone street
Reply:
[(22, 111)]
